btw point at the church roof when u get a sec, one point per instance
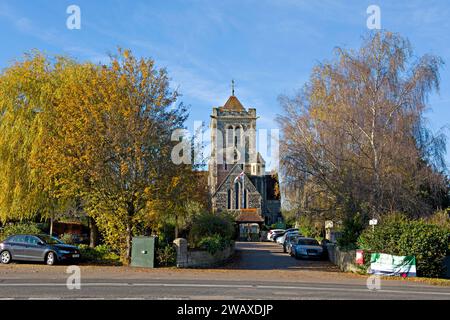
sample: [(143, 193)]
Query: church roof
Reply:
[(249, 217), (260, 159), (234, 104)]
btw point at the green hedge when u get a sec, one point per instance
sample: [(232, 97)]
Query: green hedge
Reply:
[(19, 228), (398, 236), (214, 243), (101, 254), (209, 225), (166, 256), (351, 230)]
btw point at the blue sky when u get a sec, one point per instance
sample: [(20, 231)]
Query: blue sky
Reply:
[(268, 46)]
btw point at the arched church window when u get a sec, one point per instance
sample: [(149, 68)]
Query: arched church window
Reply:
[(229, 199), (237, 136), (229, 135), (245, 199), (237, 190)]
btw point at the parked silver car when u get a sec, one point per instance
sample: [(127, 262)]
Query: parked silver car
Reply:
[(27, 247), (272, 234), (289, 241), (282, 238), (307, 248)]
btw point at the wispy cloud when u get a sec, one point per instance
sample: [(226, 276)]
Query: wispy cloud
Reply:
[(27, 26)]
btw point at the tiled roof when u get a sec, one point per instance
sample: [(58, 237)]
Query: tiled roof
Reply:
[(249, 217), (233, 103)]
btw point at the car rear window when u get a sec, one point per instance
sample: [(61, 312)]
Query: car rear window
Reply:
[(308, 242)]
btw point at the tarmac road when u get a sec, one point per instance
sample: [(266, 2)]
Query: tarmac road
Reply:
[(259, 271)]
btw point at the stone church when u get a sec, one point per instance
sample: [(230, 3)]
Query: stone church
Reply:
[(237, 176)]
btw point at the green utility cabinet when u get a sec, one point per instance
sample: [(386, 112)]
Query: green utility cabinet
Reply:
[(143, 252)]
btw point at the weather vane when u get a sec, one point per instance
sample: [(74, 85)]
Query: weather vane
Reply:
[(232, 88)]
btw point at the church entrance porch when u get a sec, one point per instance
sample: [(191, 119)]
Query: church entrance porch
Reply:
[(249, 224), (249, 232)]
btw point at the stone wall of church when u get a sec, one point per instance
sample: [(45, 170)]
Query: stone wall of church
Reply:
[(254, 200), (221, 201)]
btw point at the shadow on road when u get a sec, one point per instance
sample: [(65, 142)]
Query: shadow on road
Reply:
[(270, 256)]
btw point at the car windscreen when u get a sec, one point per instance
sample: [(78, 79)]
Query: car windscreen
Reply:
[(308, 242), (50, 240)]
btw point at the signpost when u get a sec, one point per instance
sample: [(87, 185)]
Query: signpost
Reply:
[(373, 223), (328, 226)]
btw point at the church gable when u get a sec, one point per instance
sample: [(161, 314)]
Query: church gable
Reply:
[(229, 194), (228, 182)]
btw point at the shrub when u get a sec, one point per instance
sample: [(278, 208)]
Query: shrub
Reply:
[(386, 236), (441, 218), (101, 254), (208, 225), (88, 254), (67, 238), (166, 256), (309, 227), (19, 228), (167, 232), (427, 242), (351, 229), (214, 243)]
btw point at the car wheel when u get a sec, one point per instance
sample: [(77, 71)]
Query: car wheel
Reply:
[(50, 259), (5, 257)]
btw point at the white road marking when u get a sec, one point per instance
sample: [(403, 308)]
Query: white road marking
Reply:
[(231, 286)]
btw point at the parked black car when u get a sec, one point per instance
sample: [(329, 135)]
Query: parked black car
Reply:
[(27, 247)]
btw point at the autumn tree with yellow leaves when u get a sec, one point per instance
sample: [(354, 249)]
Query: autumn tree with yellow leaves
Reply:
[(26, 90), (99, 133)]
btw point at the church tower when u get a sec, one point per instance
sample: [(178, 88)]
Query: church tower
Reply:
[(237, 176), (233, 141)]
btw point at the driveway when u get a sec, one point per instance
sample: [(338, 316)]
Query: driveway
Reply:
[(270, 256)]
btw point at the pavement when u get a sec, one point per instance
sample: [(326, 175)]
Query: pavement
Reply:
[(258, 271)]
